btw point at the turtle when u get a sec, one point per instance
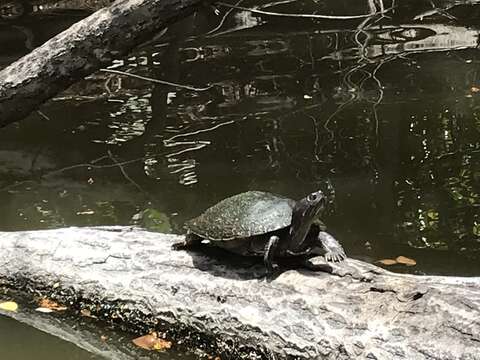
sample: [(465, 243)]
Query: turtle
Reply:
[(257, 223)]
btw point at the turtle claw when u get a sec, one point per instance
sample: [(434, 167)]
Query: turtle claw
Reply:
[(333, 250), (272, 272), (190, 241), (335, 256), (271, 269)]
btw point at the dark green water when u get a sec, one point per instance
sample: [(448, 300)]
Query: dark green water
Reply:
[(22, 342), (389, 114)]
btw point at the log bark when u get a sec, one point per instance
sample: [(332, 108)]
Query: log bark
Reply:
[(132, 278), (82, 49)]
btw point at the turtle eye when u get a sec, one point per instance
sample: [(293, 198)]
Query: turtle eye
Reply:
[(312, 197)]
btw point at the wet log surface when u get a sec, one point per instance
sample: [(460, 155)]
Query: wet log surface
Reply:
[(82, 49), (133, 279)]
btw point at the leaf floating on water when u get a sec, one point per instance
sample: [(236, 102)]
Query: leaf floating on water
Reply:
[(87, 313), (9, 306), (152, 342), (145, 342), (406, 261), (476, 228), (387, 262), (48, 304), (161, 344), (432, 214), (153, 220), (399, 260), (44, 310)]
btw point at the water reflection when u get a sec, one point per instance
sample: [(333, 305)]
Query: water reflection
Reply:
[(388, 112)]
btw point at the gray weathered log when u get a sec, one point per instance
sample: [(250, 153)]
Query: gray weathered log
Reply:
[(82, 49), (133, 278)]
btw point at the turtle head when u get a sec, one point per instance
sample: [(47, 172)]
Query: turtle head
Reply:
[(304, 212)]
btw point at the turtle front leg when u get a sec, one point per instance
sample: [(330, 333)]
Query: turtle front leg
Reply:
[(270, 253), (190, 241), (320, 224), (333, 250)]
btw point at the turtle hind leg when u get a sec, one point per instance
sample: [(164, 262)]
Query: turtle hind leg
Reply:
[(270, 250), (333, 250), (190, 241)]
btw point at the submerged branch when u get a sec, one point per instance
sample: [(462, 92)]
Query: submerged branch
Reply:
[(82, 49), (156, 81), (308, 16)]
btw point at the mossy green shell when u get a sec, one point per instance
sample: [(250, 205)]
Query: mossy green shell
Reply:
[(244, 215)]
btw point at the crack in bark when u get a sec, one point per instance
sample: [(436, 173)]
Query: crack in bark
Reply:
[(400, 296), (381, 290), (104, 261), (466, 333)]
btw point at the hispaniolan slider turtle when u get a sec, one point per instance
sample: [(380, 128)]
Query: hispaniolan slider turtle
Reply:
[(256, 223)]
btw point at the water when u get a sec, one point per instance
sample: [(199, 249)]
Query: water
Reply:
[(390, 115), (19, 341)]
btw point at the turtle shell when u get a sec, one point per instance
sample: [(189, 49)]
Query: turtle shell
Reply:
[(240, 216)]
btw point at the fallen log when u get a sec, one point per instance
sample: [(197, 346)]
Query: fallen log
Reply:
[(82, 49), (131, 277)]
